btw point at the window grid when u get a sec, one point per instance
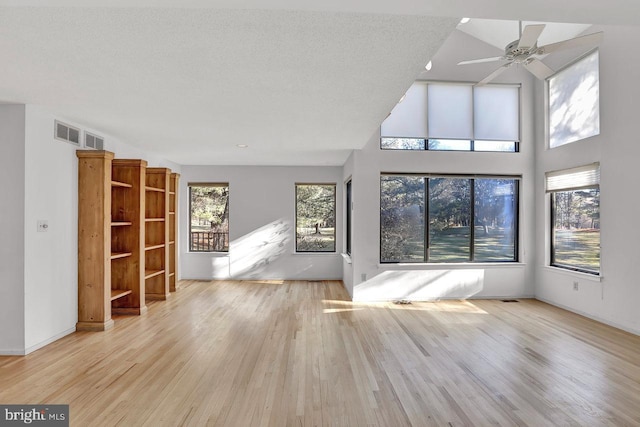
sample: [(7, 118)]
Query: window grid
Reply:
[(574, 196), (348, 227), (422, 144), (315, 218), (513, 245), (209, 217), (427, 143)]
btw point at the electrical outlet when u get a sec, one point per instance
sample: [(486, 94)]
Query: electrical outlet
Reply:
[(43, 226), (575, 285), (363, 277)]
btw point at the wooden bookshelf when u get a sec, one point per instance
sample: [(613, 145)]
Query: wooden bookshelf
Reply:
[(110, 235), (94, 240), (174, 180), (156, 233), (127, 206), (126, 237)]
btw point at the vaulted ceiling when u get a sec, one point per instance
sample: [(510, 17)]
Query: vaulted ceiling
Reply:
[(299, 82)]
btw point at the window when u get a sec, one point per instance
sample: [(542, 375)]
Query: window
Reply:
[(574, 102), (575, 218), (209, 217), (454, 117), (402, 221), (425, 218), (315, 217), (495, 219), (449, 217), (349, 206)]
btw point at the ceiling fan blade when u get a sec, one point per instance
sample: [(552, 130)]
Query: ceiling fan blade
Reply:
[(481, 60), (589, 39), (493, 75), (538, 69), (530, 35)]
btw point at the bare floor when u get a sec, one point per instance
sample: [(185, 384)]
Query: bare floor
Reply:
[(299, 353)]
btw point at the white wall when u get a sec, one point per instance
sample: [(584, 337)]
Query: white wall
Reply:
[(51, 261), (614, 299), (12, 153), (44, 274), (261, 224), (373, 281), (418, 282)]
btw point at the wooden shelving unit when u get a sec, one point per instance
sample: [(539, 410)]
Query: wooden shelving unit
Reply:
[(94, 240), (156, 226), (127, 207), (126, 237), (173, 224)]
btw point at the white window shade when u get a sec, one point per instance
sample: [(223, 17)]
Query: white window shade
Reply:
[(408, 118), (573, 179), (574, 102), (496, 113), (450, 111)]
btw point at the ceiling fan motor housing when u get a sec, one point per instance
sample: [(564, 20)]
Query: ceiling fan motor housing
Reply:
[(518, 54)]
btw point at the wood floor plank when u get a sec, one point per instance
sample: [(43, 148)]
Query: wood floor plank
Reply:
[(274, 353)]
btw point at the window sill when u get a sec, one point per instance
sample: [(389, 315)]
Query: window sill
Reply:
[(451, 265), (216, 254), (315, 253), (587, 276)]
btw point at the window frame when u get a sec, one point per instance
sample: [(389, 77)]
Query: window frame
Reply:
[(426, 138), (593, 185), (190, 185), (426, 218), (348, 191), (335, 206)]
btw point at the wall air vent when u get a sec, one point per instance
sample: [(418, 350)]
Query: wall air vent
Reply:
[(67, 133), (93, 141)]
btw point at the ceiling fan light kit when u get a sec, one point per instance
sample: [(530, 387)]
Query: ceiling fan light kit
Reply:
[(525, 52)]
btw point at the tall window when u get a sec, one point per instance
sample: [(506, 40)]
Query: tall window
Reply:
[(427, 218), (575, 218), (315, 217), (454, 117), (209, 217), (449, 216), (574, 102), (349, 206)]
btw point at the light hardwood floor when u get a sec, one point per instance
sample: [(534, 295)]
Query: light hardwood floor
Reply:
[(299, 353)]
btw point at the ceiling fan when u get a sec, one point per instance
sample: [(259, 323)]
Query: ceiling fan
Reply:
[(526, 52)]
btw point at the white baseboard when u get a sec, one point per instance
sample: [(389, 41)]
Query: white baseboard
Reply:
[(12, 352), (591, 316), (49, 340), (453, 298)]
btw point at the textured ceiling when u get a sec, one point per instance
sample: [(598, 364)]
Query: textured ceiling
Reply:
[(301, 82), (612, 12), (297, 87), (499, 33)]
